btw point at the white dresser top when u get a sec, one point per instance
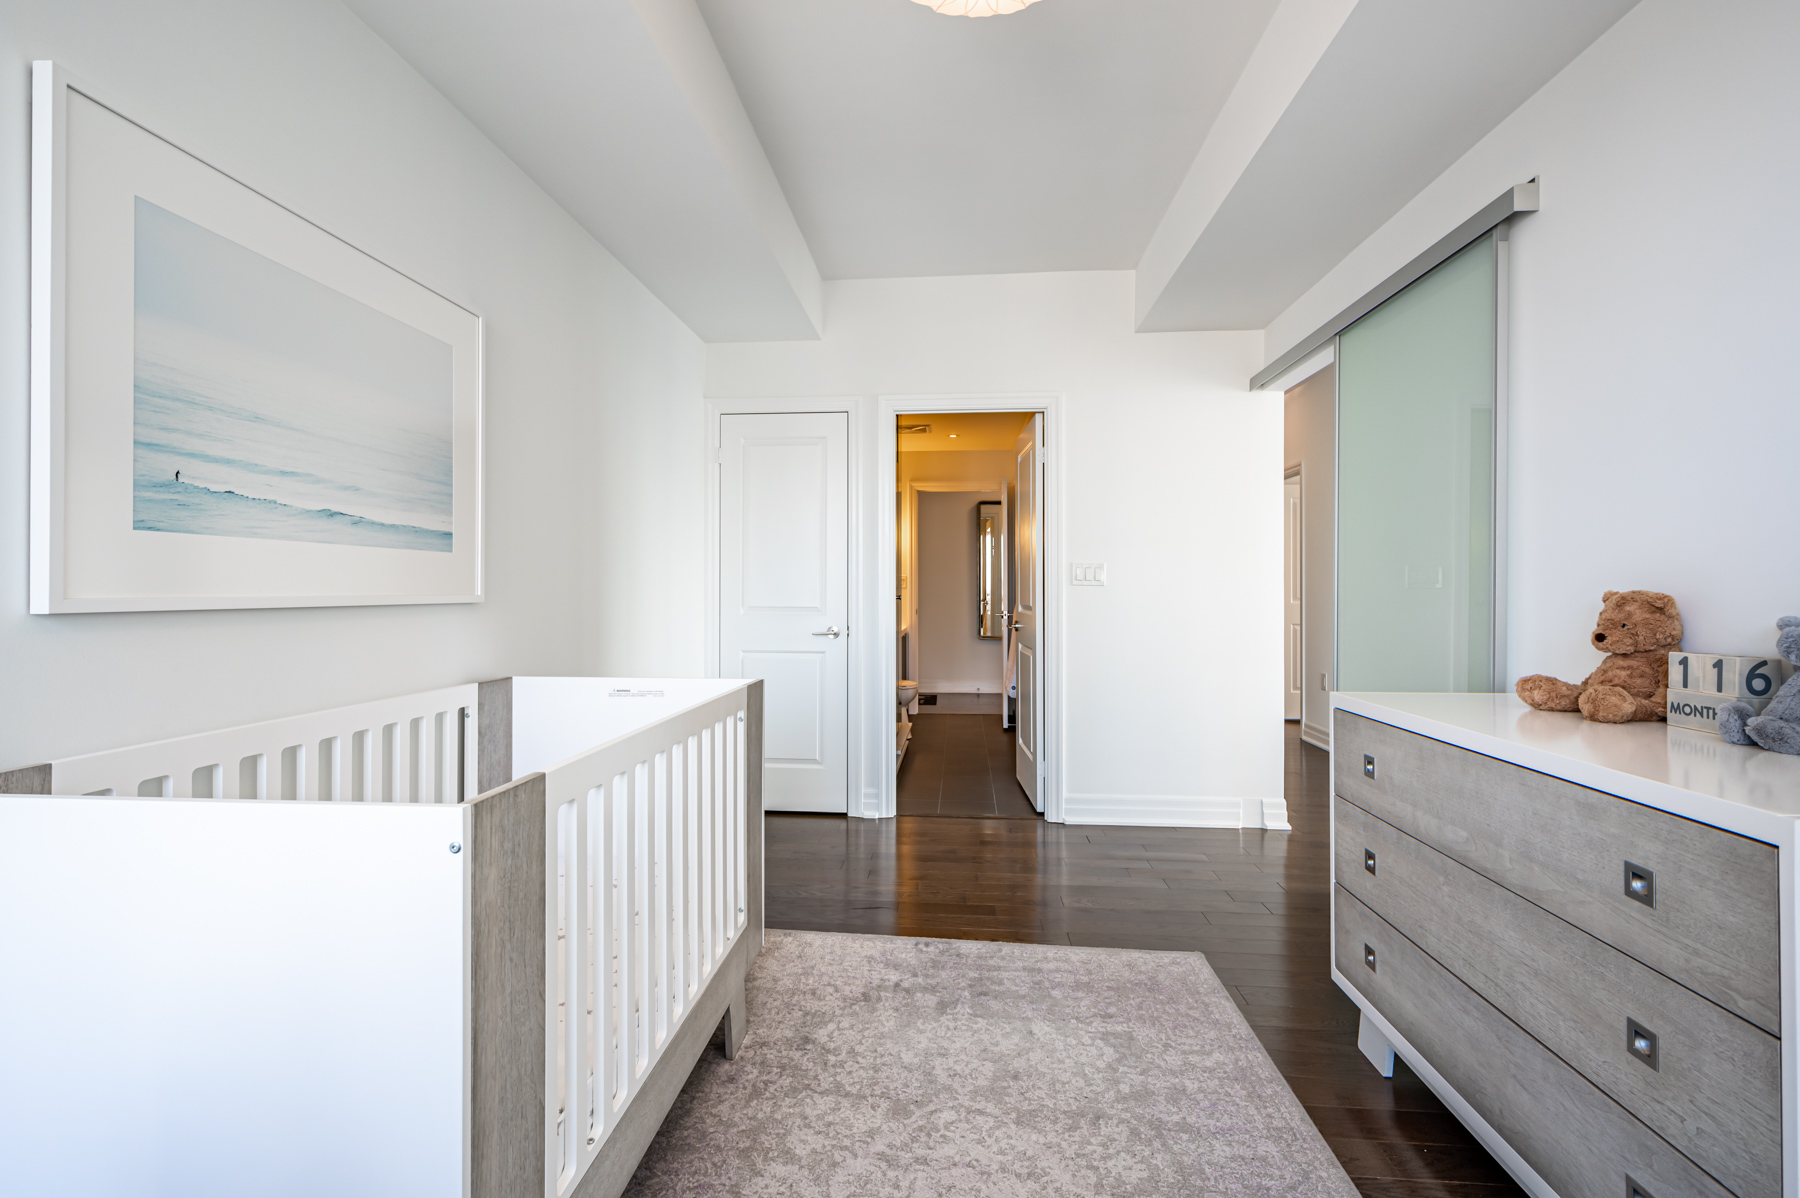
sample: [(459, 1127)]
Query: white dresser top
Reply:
[(1679, 770)]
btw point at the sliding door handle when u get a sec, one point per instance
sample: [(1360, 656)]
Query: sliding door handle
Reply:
[(831, 632)]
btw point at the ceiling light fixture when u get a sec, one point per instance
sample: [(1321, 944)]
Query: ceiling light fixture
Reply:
[(975, 8)]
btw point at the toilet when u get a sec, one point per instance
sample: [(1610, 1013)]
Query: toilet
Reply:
[(905, 693)]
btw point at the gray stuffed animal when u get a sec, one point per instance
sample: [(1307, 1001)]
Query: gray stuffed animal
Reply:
[(1778, 727)]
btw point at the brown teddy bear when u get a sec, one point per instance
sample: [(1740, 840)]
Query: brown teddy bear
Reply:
[(1636, 630)]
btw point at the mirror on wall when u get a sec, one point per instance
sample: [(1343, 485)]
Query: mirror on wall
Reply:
[(990, 612)]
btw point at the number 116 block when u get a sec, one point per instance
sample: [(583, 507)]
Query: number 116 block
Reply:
[(1734, 676)]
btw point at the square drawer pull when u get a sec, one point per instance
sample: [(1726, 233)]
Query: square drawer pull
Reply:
[(1640, 884), (1640, 1042), (1369, 860), (1368, 766), (1369, 957)]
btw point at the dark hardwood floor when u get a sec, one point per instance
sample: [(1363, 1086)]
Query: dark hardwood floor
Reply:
[(961, 765), (1254, 902)]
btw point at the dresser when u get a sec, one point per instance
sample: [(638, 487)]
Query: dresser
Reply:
[(1581, 936)]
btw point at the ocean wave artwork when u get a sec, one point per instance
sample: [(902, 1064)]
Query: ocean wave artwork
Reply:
[(268, 405)]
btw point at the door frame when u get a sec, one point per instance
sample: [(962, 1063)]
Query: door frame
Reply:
[(883, 447), (856, 411), (1297, 473)]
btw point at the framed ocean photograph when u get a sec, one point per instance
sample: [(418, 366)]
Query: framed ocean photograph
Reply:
[(231, 406)]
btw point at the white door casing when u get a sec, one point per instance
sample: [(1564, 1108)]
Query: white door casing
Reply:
[(1292, 557), (879, 465), (1028, 590), (784, 595)]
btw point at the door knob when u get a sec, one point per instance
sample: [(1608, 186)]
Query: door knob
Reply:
[(831, 632)]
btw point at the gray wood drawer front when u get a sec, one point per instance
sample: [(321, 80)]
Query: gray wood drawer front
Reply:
[(1715, 1092), (1715, 927), (1580, 1141)]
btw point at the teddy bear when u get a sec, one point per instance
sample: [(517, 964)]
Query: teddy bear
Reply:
[(1778, 727), (1636, 630)]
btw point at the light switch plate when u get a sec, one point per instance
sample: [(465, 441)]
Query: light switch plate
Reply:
[(1087, 574)]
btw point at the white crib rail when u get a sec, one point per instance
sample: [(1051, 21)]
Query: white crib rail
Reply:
[(645, 853), (417, 748)]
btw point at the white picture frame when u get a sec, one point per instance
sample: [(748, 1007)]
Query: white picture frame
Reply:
[(337, 442)]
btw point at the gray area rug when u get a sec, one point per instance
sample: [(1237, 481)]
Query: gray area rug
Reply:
[(880, 1065)]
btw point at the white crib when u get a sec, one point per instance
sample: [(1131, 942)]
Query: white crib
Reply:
[(412, 749), (375, 988)]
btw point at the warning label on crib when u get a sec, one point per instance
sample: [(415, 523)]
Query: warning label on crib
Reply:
[(634, 694)]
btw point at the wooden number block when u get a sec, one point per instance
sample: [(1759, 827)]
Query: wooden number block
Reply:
[(1760, 677), (1699, 709), (1745, 677), (1715, 673)]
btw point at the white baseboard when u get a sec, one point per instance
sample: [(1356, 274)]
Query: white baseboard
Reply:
[(1174, 811), (1318, 738)]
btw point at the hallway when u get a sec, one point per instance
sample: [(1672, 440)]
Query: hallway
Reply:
[(1255, 902), (961, 765)]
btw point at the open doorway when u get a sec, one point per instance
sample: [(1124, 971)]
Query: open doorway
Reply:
[(1293, 573), (1311, 449), (967, 519)]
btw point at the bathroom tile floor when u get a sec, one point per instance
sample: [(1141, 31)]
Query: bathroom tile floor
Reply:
[(961, 765)]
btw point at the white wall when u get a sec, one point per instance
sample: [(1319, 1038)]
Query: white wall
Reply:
[(1172, 671), (982, 466), (952, 655), (1654, 314), (1310, 435), (592, 387)]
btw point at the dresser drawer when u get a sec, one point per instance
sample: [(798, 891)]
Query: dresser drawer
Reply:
[(1580, 1141), (1716, 920), (1715, 1089)]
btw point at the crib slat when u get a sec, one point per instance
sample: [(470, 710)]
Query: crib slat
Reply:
[(318, 756), (662, 873)]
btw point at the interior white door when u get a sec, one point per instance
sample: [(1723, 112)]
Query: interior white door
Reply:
[(1292, 544), (1028, 580), (1007, 707), (784, 595)]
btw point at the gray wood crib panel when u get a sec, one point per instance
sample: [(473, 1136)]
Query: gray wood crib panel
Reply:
[(29, 780), (493, 734), (507, 879)]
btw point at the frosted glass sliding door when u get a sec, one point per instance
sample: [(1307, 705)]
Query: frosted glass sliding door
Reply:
[(1415, 483)]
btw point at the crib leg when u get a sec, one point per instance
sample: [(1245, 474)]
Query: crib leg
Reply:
[(733, 1023)]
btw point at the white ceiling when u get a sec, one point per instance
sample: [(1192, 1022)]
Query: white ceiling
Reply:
[(734, 153), (618, 125), (910, 143), (1403, 90), (962, 432)]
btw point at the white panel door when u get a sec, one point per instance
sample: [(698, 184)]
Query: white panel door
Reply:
[(1028, 672), (784, 595), (1291, 582)]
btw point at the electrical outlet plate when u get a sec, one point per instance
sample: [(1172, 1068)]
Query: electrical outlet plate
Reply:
[(1087, 574)]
